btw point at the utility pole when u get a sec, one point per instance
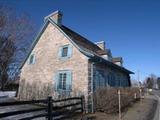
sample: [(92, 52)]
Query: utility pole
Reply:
[(138, 78)]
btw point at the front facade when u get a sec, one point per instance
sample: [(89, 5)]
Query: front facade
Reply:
[(62, 63)]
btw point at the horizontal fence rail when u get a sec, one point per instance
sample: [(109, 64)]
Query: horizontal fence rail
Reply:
[(52, 109), (22, 102), (20, 112)]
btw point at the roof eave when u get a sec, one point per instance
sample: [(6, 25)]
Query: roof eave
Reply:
[(100, 59)]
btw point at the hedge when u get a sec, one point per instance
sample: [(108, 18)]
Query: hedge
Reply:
[(106, 99)]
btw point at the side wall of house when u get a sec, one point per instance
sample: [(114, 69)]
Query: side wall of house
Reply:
[(38, 79), (104, 76)]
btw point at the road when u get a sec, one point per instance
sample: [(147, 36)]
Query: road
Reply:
[(157, 95)]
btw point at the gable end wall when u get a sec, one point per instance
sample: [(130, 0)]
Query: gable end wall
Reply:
[(38, 80)]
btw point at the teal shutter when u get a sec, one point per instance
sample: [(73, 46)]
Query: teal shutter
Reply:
[(69, 50), (34, 59), (60, 52), (56, 85), (69, 81), (29, 60)]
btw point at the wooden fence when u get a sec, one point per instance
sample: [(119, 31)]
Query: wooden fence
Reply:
[(52, 109)]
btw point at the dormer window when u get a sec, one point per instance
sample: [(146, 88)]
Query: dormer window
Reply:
[(65, 52)]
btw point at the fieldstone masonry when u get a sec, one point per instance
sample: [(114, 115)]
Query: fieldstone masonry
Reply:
[(47, 64)]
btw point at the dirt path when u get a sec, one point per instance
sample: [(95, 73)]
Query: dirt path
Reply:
[(157, 113), (141, 111)]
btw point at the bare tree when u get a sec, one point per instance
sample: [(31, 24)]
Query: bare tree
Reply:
[(158, 82), (15, 30), (149, 83)]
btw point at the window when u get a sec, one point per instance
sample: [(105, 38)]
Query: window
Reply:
[(65, 52), (111, 79), (32, 59), (99, 79), (63, 80)]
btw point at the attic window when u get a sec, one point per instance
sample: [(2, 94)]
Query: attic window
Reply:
[(64, 51)]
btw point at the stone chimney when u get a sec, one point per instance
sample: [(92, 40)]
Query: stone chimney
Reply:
[(101, 44), (56, 17)]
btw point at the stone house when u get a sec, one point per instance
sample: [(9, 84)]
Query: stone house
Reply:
[(62, 62)]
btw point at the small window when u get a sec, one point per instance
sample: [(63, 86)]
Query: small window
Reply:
[(65, 52), (32, 59)]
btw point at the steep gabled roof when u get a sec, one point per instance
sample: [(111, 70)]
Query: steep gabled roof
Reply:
[(85, 46), (81, 41)]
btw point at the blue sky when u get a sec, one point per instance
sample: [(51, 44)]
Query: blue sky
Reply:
[(131, 28)]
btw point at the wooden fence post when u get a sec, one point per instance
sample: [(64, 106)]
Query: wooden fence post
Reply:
[(119, 102), (49, 108), (82, 104)]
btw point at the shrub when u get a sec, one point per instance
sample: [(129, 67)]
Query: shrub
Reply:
[(106, 99)]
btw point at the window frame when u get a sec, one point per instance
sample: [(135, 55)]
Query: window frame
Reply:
[(63, 54), (69, 52), (68, 78), (62, 81)]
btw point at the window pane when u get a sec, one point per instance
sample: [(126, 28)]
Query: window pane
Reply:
[(64, 51), (60, 80), (64, 81)]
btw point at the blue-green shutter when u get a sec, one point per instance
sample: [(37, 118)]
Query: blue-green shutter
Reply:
[(60, 52), (29, 59), (56, 78), (34, 59), (69, 51), (69, 80)]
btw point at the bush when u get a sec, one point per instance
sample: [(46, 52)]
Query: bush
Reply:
[(106, 99)]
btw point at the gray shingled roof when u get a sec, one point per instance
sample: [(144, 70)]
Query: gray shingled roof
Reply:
[(90, 47)]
